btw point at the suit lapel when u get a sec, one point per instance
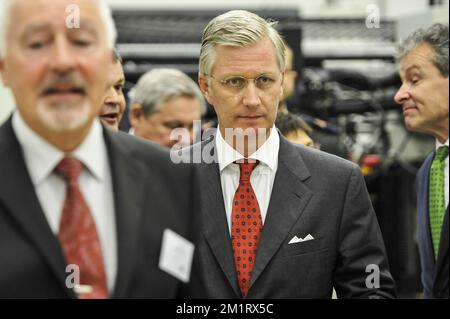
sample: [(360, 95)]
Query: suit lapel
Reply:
[(423, 212), (286, 205), (18, 195), (215, 225), (128, 178)]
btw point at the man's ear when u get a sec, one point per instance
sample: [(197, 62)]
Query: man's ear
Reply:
[(204, 87), (135, 114), (281, 86), (2, 72), (294, 75)]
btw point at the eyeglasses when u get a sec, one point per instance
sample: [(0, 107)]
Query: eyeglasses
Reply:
[(236, 84)]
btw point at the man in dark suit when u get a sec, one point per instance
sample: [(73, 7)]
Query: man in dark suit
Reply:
[(84, 211), (424, 99), (278, 220)]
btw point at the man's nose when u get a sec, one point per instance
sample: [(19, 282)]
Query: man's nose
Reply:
[(401, 96), (112, 97), (63, 58), (251, 95)]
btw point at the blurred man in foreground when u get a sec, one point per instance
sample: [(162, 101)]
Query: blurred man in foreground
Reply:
[(80, 213)]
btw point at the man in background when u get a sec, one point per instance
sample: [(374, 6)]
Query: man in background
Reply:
[(294, 128), (290, 76), (424, 98), (114, 103), (164, 100)]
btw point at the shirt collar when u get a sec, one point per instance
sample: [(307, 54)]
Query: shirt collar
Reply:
[(439, 144), (267, 154), (92, 151), (41, 157)]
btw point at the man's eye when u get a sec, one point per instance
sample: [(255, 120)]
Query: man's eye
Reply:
[(264, 81), (118, 88), (172, 125), (82, 42), (235, 82), (36, 45)]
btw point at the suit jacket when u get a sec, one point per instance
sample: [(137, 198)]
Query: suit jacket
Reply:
[(150, 195), (313, 193), (434, 272)]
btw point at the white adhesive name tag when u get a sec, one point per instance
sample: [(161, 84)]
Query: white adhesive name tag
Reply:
[(176, 255)]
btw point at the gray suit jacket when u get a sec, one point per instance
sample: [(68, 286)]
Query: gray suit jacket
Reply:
[(314, 193)]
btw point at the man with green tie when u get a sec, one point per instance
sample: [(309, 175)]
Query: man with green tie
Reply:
[(424, 98)]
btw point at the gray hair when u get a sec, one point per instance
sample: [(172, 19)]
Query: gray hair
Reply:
[(105, 15), (238, 28), (437, 37), (117, 57), (160, 85)]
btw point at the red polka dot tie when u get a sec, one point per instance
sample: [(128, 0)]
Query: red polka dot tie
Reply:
[(78, 233), (246, 226)]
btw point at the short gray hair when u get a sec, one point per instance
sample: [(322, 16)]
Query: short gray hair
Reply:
[(437, 37), (105, 14), (238, 28), (117, 57), (160, 85)]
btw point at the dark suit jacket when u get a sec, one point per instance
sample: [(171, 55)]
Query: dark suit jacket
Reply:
[(434, 273), (150, 195), (314, 193)]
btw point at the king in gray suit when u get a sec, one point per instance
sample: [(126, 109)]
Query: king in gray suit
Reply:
[(277, 220)]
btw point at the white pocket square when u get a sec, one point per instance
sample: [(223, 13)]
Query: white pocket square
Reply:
[(296, 239)]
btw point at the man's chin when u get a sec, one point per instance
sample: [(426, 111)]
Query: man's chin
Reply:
[(64, 118), (411, 124)]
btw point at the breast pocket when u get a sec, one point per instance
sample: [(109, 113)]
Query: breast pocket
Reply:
[(307, 247)]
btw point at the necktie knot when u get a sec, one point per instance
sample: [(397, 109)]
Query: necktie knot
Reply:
[(246, 170), (70, 168), (441, 153)]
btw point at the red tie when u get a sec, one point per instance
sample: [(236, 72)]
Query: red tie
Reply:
[(246, 226), (78, 234)]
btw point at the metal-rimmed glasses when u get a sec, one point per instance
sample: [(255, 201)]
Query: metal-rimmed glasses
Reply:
[(236, 84)]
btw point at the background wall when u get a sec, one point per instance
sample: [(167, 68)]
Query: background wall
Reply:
[(408, 11)]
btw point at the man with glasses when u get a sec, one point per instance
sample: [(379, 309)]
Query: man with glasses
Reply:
[(278, 220)]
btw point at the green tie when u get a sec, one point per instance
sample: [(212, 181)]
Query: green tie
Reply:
[(436, 197)]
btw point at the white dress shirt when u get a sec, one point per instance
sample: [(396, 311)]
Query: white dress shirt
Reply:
[(41, 159), (438, 144), (261, 179)]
